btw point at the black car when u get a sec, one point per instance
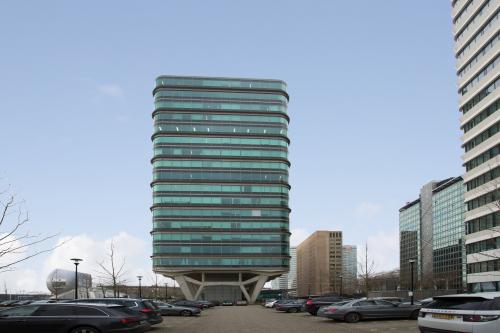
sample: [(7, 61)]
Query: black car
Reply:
[(313, 304), (144, 307), (71, 318)]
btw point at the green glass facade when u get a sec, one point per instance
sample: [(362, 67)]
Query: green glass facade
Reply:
[(440, 262), (220, 175)]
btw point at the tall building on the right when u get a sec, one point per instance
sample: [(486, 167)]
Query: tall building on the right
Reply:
[(477, 47)]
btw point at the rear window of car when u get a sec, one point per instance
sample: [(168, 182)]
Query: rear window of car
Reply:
[(124, 310), (149, 305), (465, 303), (21, 311), (55, 311), (88, 311)]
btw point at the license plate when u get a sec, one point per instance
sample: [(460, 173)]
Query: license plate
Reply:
[(443, 316)]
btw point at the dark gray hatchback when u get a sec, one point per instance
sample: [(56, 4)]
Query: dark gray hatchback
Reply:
[(144, 307)]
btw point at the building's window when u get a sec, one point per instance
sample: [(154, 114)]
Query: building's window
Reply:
[(219, 225), (225, 175), (221, 106), (218, 95), (481, 116), (225, 83), (224, 262), (484, 266), (491, 23), (484, 245), (210, 200), (214, 117), (483, 136), (480, 96), (219, 152), (220, 188), (483, 179), (475, 59), (480, 159), (166, 212), (226, 129), (479, 76), (188, 140), (473, 19), (483, 223)]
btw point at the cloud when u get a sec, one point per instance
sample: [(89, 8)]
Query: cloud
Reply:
[(298, 236), (367, 210), (383, 249), (112, 90)]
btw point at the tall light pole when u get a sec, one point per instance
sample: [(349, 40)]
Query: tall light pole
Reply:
[(412, 262), (166, 292), (140, 289), (76, 261), (340, 276)]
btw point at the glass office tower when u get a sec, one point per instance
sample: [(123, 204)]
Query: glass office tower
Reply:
[(220, 184)]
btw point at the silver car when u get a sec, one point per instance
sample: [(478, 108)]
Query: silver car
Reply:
[(356, 310), (167, 309)]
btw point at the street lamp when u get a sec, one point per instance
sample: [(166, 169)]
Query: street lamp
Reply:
[(140, 291), (166, 292), (340, 276), (412, 262), (76, 261)]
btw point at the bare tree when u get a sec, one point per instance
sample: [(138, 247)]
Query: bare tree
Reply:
[(110, 272), (16, 244), (366, 269)]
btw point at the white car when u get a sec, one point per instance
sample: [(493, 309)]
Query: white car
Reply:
[(270, 303), (473, 313)]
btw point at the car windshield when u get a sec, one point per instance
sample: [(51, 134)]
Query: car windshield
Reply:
[(21, 311)]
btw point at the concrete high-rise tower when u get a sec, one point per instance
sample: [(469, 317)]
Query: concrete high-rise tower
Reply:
[(476, 35), (220, 184)]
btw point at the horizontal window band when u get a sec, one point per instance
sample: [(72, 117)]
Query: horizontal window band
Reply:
[(219, 111)]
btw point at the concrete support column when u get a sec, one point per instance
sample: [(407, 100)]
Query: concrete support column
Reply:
[(258, 287), (181, 280)]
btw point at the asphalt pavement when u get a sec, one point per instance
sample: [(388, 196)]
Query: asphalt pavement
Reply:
[(257, 319)]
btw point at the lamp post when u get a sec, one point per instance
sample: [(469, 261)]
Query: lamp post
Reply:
[(340, 276), (412, 262), (166, 292), (76, 261), (140, 289)]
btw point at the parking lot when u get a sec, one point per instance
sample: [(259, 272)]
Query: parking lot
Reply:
[(257, 319)]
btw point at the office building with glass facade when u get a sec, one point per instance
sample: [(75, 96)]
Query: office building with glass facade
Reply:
[(476, 31), (220, 184), (349, 268), (431, 232)]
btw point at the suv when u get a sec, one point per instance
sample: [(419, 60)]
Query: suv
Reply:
[(478, 313), (313, 304), (152, 314)]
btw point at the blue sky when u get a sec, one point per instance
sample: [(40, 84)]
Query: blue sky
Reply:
[(373, 109)]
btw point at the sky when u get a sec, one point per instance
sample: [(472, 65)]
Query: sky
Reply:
[(373, 107)]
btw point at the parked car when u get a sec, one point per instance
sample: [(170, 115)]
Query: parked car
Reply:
[(8, 303), (71, 318), (313, 304), (241, 302), (356, 310), (206, 304), (292, 306), (478, 313), (270, 303), (189, 304), (167, 309), (227, 303), (145, 307)]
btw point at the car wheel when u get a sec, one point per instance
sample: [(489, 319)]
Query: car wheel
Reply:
[(292, 310), (186, 313), (414, 315), (84, 329), (352, 317)]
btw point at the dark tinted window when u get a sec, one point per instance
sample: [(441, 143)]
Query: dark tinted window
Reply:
[(147, 304), (55, 310), (458, 303), (21, 311), (364, 303), (124, 310), (386, 303), (87, 311), (130, 304)]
